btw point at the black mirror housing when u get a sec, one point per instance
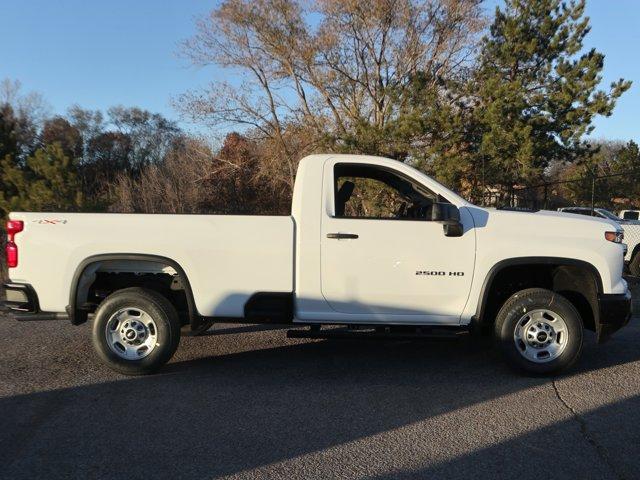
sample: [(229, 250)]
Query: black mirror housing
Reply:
[(453, 229), (444, 212), (449, 215)]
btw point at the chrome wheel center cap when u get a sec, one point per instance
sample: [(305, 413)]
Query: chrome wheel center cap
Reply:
[(131, 333), (541, 335), (134, 332)]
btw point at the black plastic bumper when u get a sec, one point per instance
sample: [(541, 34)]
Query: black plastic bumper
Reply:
[(22, 301), (614, 313), (20, 297)]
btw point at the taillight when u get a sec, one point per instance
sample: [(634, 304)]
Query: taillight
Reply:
[(12, 254), (11, 249), (13, 227)]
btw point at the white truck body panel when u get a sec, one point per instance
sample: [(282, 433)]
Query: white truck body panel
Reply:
[(226, 258)]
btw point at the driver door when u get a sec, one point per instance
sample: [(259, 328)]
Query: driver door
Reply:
[(381, 258)]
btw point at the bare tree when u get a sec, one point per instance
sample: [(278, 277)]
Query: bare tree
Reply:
[(172, 186), (322, 69), (30, 105), (192, 179), (28, 112)]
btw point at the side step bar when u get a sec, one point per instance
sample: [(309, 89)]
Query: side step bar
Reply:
[(380, 333), (36, 317)]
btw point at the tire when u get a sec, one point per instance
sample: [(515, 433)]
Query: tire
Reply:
[(539, 332), (634, 265), (136, 331)]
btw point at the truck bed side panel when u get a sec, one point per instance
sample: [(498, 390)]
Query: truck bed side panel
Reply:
[(226, 258)]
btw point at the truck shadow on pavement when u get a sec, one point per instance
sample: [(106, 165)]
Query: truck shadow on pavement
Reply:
[(599, 445), (308, 409)]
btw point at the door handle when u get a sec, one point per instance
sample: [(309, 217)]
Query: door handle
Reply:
[(342, 235)]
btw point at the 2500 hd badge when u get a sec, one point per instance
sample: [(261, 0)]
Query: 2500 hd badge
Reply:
[(439, 273)]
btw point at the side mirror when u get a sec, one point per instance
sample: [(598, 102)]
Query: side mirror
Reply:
[(449, 216), (444, 212)]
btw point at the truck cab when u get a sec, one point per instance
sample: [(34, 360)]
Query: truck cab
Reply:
[(378, 244)]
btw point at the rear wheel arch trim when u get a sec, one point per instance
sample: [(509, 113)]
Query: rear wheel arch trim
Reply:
[(77, 317), (516, 261)]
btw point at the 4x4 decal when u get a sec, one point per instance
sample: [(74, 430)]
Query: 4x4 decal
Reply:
[(50, 221)]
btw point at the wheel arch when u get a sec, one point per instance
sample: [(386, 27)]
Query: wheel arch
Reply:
[(566, 272), (85, 273)]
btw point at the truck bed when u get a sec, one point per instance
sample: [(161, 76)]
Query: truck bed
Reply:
[(226, 258)]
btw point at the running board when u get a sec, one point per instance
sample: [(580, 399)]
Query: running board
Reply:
[(37, 317), (380, 333)]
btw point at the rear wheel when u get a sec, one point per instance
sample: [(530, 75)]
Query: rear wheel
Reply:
[(539, 331), (136, 331)]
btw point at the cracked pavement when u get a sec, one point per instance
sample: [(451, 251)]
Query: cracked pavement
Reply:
[(246, 402)]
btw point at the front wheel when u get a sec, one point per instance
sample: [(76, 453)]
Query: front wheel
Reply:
[(539, 331), (136, 331)]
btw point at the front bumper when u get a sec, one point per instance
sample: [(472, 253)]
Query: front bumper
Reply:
[(20, 297), (614, 312)]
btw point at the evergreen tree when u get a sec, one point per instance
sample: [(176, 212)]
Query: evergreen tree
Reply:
[(537, 94), (439, 131), (8, 131), (9, 146), (47, 182)]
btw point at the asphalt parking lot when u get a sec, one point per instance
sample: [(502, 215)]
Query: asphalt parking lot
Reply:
[(249, 403)]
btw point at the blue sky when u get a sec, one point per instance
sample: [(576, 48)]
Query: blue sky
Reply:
[(103, 53)]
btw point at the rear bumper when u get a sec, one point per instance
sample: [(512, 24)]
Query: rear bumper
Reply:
[(614, 313), (20, 297), (22, 301)]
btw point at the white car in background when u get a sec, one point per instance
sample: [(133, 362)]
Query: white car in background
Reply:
[(631, 229), (629, 214)]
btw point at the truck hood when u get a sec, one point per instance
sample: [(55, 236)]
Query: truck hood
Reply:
[(562, 224)]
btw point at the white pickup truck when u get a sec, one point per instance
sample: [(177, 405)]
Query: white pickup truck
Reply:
[(373, 247)]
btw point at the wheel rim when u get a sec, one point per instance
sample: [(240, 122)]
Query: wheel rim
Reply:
[(541, 335), (131, 333)]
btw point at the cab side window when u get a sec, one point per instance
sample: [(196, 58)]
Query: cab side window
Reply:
[(365, 191)]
